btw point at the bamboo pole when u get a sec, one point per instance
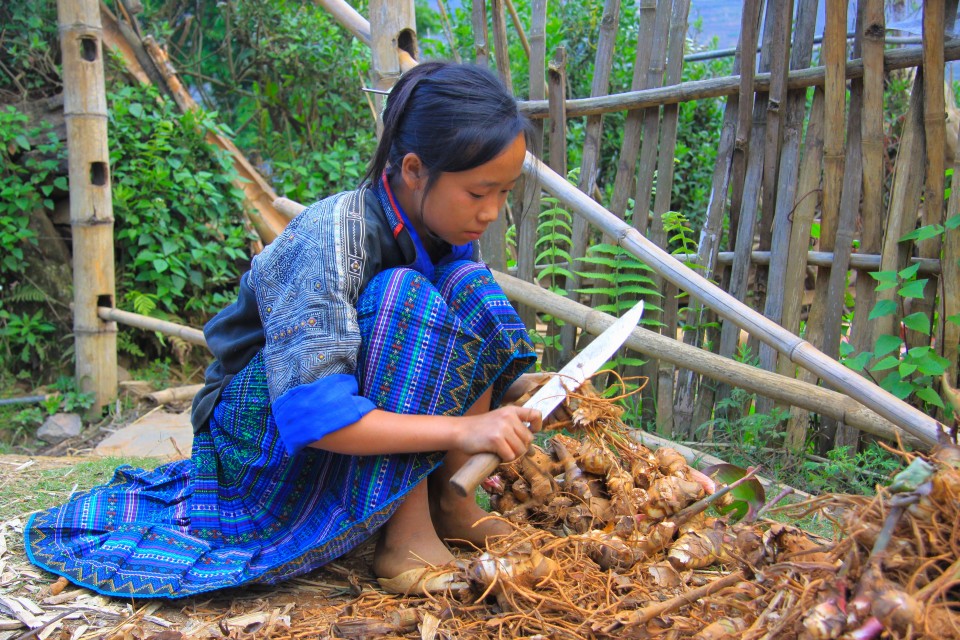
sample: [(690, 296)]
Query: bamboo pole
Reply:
[(91, 208), (719, 87), (867, 262), (651, 343), (187, 334), (529, 189), (806, 204), (773, 136), (651, 121), (349, 19), (665, 371), (873, 150), (645, 172), (481, 46), (501, 57), (590, 157), (557, 135), (799, 351), (708, 248), (905, 193), (743, 212), (833, 434), (934, 126), (949, 331), (623, 185), (780, 227)]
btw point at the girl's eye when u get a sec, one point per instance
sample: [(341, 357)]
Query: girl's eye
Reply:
[(475, 196)]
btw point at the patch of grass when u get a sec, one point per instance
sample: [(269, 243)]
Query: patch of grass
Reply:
[(50, 482)]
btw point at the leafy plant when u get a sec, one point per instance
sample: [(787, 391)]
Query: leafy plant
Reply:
[(906, 372), (180, 243)]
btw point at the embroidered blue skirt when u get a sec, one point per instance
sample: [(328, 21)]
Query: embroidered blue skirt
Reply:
[(242, 511)]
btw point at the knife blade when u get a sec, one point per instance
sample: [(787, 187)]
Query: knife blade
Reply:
[(546, 399)]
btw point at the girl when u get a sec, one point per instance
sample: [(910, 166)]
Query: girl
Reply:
[(361, 365)]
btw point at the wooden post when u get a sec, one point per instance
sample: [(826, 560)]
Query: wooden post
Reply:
[(91, 207), (393, 27)]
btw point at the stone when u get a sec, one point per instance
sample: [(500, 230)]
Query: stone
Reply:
[(158, 434), (60, 427)]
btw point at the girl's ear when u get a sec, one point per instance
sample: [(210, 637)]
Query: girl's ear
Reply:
[(413, 172)]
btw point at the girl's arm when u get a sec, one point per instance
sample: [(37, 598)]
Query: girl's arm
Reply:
[(507, 432)]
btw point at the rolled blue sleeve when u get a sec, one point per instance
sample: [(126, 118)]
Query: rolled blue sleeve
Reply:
[(308, 412)]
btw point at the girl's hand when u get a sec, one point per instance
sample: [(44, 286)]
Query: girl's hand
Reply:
[(507, 432)]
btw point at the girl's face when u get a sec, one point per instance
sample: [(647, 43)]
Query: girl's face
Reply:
[(461, 205)]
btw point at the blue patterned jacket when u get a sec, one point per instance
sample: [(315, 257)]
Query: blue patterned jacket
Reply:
[(298, 305)]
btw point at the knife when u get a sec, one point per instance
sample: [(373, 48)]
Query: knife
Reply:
[(546, 399)]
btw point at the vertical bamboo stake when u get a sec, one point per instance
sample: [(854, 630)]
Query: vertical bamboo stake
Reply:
[(91, 206), (501, 56), (494, 242), (645, 172), (651, 119), (785, 279), (905, 193), (481, 48), (557, 135), (737, 126), (742, 232), (590, 160), (873, 151), (949, 330), (842, 435), (773, 135), (661, 205), (934, 125), (804, 210), (623, 184), (530, 190)]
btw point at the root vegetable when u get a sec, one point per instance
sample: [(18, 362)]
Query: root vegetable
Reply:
[(722, 629), (595, 459), (826, 621), (697, 549), (670, 461), (670, 494)]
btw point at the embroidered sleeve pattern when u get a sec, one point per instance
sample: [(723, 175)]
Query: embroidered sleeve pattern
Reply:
[(307, 282)]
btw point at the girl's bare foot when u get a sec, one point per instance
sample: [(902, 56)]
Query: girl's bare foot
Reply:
[(456, 518), (408, 540)]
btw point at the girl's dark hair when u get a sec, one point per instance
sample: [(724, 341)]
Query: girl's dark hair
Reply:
[(453, 116)]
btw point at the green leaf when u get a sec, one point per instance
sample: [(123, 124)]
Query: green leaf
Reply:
[(897, 386), (136, 110), (887, 343), (884, 278), (883, 308), (905, 369), (887, 363), (747, 498), (910, 271), (923, 233), (955, 318), (952, 222), (930, 396), (858, 362), (918, 321), (160, 265), (913, 289)]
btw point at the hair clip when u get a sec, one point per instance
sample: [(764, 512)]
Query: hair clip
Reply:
[(378, 91)]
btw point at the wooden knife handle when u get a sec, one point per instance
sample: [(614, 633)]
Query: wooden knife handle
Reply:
[(473, 472)]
